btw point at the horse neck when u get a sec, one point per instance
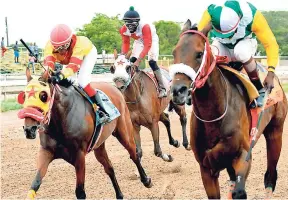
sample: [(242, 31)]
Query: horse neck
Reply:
[(64, 103), (210, 100), (133, 91)]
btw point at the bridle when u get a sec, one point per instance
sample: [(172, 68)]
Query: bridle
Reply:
[(131, 79), (201, 76)]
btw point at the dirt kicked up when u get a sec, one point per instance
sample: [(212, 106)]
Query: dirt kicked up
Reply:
[(179, 179)]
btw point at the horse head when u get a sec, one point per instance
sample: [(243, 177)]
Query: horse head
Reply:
[(36, 99), (192, 55), (122, 71)]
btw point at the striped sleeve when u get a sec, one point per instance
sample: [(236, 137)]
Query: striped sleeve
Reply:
[(125, 40), (147, 40), (49, 59), (263, 32)]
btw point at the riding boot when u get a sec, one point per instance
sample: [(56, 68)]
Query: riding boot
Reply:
[(255, 79), (104, 116), (162, 89)]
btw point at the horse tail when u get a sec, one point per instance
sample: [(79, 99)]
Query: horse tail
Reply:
[(171, 106)]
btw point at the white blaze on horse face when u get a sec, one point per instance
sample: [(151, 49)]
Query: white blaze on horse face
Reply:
[(120, 68)]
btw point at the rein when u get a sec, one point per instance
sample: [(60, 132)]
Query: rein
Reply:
[(126, 86), (203, 73), (47, 117)]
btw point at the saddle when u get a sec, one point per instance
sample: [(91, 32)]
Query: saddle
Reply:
[(110, 108), (165, 75), (275, 96)]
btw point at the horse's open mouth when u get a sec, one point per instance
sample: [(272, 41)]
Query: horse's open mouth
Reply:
[(35, 113)]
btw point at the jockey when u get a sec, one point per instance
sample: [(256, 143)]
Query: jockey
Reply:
[(146, 42), (79, 54), (234, 27)]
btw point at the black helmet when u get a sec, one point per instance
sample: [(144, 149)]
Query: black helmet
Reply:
[(131, 18), (131, 14)]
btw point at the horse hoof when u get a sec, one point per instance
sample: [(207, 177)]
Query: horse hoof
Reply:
[(268, 193), (176, 144), (187, 147), (147, 183), (167, 158), (239, 194), (120, 196)]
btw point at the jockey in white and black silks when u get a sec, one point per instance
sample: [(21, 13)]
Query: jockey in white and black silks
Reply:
[(235, 26), (146, 41), (79, 54)]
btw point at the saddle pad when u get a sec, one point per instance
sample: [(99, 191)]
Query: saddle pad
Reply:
[(113, 114), (165, 76), (109, 106), (275, 96)]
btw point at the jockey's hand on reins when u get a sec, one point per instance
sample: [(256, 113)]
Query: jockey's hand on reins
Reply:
[(269, 81), (56, 77)]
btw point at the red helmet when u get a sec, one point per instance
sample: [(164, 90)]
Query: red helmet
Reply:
[(60, 35)]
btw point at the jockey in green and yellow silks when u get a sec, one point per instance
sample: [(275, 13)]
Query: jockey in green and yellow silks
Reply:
[(234, 28)]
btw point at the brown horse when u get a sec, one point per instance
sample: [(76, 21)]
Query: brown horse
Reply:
[(221, 119), (146, 109), (70, 129)]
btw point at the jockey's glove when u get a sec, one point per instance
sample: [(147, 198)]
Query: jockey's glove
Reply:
[(56, 77)]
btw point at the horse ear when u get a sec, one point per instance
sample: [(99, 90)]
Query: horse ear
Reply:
[(206, 29), (127, 56), (45, 75), (115, 53), (186, 26), (28, 74)]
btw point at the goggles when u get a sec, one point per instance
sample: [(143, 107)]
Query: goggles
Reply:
[(62, 47)]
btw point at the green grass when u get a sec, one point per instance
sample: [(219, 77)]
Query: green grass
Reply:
[(285, 87), (10, 104)]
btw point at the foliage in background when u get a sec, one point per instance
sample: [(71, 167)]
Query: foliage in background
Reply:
[(168, 33), (10, 104), (103, 31)]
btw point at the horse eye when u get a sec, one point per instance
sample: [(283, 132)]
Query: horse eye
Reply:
[(199, 55), (43, 96), (128, 69)]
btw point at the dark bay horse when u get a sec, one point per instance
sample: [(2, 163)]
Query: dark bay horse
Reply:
[(221, 119), (70, 129), (146, 109)]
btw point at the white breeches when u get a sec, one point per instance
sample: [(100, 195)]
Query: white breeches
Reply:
[(243, 51), (153, 53), (84, 76)]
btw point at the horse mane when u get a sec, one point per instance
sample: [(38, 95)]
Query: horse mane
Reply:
[(66, 83)]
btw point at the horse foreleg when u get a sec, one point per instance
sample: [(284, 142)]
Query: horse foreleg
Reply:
[(101, 155), (79, 165), (242, 169), (164, 118), (157, 149), (180, 110), (137, 138), (273, 138), (44, 159), (210, 183)]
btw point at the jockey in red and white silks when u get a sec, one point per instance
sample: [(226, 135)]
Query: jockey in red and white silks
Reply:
[(146, 41)]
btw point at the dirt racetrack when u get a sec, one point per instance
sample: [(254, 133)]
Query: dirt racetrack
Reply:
[(179, 179)]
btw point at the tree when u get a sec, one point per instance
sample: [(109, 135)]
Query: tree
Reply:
[(168, 33), (103, 31)]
